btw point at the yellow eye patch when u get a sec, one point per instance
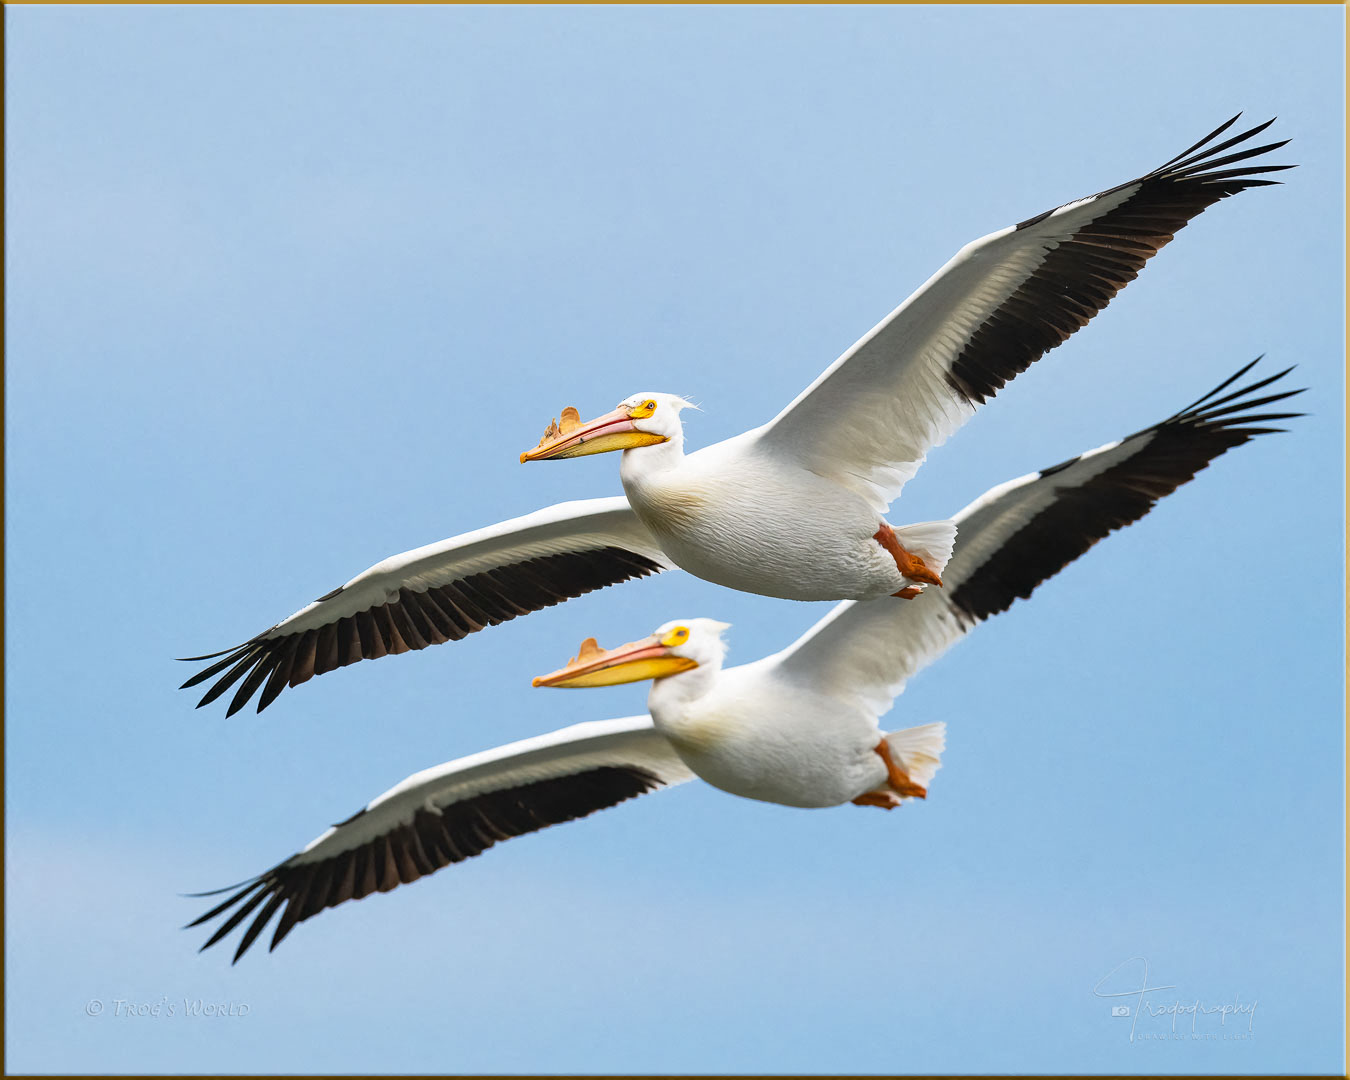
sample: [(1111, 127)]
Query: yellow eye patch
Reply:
[(677, 636), (639, 412)]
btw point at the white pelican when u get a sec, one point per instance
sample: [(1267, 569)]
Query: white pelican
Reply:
[(792, 509), (799, 727)]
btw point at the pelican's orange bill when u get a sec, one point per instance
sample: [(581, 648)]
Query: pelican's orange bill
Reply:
[(568, 437), (594, 666)]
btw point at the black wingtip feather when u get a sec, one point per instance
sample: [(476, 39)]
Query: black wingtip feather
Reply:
[(212, 655), (1211, 400), (227, 680), (446, 612), (1212, 135), (257, 925), (1099, 254), (1218, 389), (1189, 158), (421, 846), (222, 889), (1242, 406), (1088, 508), (202, 676), (223, 906)]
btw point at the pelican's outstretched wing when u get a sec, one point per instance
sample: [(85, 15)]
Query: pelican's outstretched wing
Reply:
[(442, 592), (1020, 534), (451, 813), (869, 420)]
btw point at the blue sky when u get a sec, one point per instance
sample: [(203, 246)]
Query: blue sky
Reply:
[(289, 290)]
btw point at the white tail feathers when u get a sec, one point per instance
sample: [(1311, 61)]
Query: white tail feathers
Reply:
[(932, 541), (918, 750)]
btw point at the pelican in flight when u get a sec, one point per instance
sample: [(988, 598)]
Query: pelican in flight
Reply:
[(799, 727), (795, 508)]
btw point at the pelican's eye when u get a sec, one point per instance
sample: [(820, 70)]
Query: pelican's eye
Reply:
[(678, 636), (638, 412)]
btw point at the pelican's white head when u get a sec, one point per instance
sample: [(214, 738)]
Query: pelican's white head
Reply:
[(676, 647), (639, 420)]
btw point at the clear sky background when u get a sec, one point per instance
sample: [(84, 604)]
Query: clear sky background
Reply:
[(290, 289)]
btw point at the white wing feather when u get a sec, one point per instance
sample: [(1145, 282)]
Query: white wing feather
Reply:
[(451, 813), (870, 649), (577, 526), (630, 741), (871, 417), (997, 307), (440, 593)]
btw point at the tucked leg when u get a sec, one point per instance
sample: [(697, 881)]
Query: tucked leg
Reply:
[(910, 565), (884, 799), (899, 779)]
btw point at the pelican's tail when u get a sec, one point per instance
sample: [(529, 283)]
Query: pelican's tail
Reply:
[(918, 750), (932, 541)]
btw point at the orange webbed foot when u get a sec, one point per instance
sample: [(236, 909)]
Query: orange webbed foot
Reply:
[(899, 779), (909, 564)]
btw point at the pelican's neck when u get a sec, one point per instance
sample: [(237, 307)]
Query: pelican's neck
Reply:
[(643, 463), (671, 696)]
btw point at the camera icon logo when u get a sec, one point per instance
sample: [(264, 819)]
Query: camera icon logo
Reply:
[(1120, 1010)]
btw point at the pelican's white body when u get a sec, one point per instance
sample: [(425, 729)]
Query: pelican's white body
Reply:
[(791, 728), (738, 516), (790, 508), (759, 735)]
